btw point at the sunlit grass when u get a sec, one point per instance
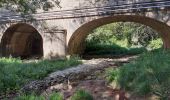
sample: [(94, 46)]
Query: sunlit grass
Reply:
[(149, 74)]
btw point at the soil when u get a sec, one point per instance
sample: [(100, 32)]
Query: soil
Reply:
[(94, 83)]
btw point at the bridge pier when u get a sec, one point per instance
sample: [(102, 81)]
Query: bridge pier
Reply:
[(54, 44)]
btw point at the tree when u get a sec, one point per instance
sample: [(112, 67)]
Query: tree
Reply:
[(28, 6), (134, 33)]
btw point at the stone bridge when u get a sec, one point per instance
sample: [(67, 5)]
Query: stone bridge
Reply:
[(62, 30)]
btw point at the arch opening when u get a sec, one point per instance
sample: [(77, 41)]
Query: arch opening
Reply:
[(120, 39), (22, 40), (76, 44)]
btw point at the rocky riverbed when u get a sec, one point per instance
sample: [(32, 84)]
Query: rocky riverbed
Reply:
[(89, 76)]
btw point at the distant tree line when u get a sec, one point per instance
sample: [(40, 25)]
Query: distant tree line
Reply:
[(133, 33)]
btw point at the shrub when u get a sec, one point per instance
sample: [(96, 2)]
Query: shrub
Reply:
[(149, 74), (81, 95), (14, 73), (155, 44), (114, 49)]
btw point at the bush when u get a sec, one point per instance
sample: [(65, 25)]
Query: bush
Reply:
[(149, 74), (132, 33), (15, 73), (155, 44), (114, 49), (81, 95)]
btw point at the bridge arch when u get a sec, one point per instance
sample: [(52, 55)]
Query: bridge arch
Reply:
[(22, 40), (76, 42)]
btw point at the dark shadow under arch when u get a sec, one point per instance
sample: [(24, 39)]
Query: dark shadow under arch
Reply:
[(76, 42), (22, 40)]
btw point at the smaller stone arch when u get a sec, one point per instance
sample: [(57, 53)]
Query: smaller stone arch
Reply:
[(22, 40)]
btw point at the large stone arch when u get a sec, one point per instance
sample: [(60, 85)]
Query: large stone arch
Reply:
[(76, 42), (22, 40)]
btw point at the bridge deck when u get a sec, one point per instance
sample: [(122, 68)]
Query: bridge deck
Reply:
[(89, 11)]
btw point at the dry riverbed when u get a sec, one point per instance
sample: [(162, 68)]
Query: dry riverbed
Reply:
[(90, 76)]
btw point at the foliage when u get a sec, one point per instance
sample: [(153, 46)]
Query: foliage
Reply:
[(15, 73), (28, 6), (114, 49), (122, 38), (53, 96), (133, 33), (149, 74), (81, 95), (155, 44)]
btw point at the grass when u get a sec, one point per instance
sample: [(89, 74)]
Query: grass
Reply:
[(78, 95), (149, 74), (53, 96), (14, 73), (81, 95)]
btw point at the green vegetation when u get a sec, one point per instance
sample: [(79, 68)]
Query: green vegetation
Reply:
[(155, 44), (81, 95), (149, 74), (28, 6), (15, 73), (78, 95), (113, 49), (122, 38), (30, 97), (133, 33), (54, 96)]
